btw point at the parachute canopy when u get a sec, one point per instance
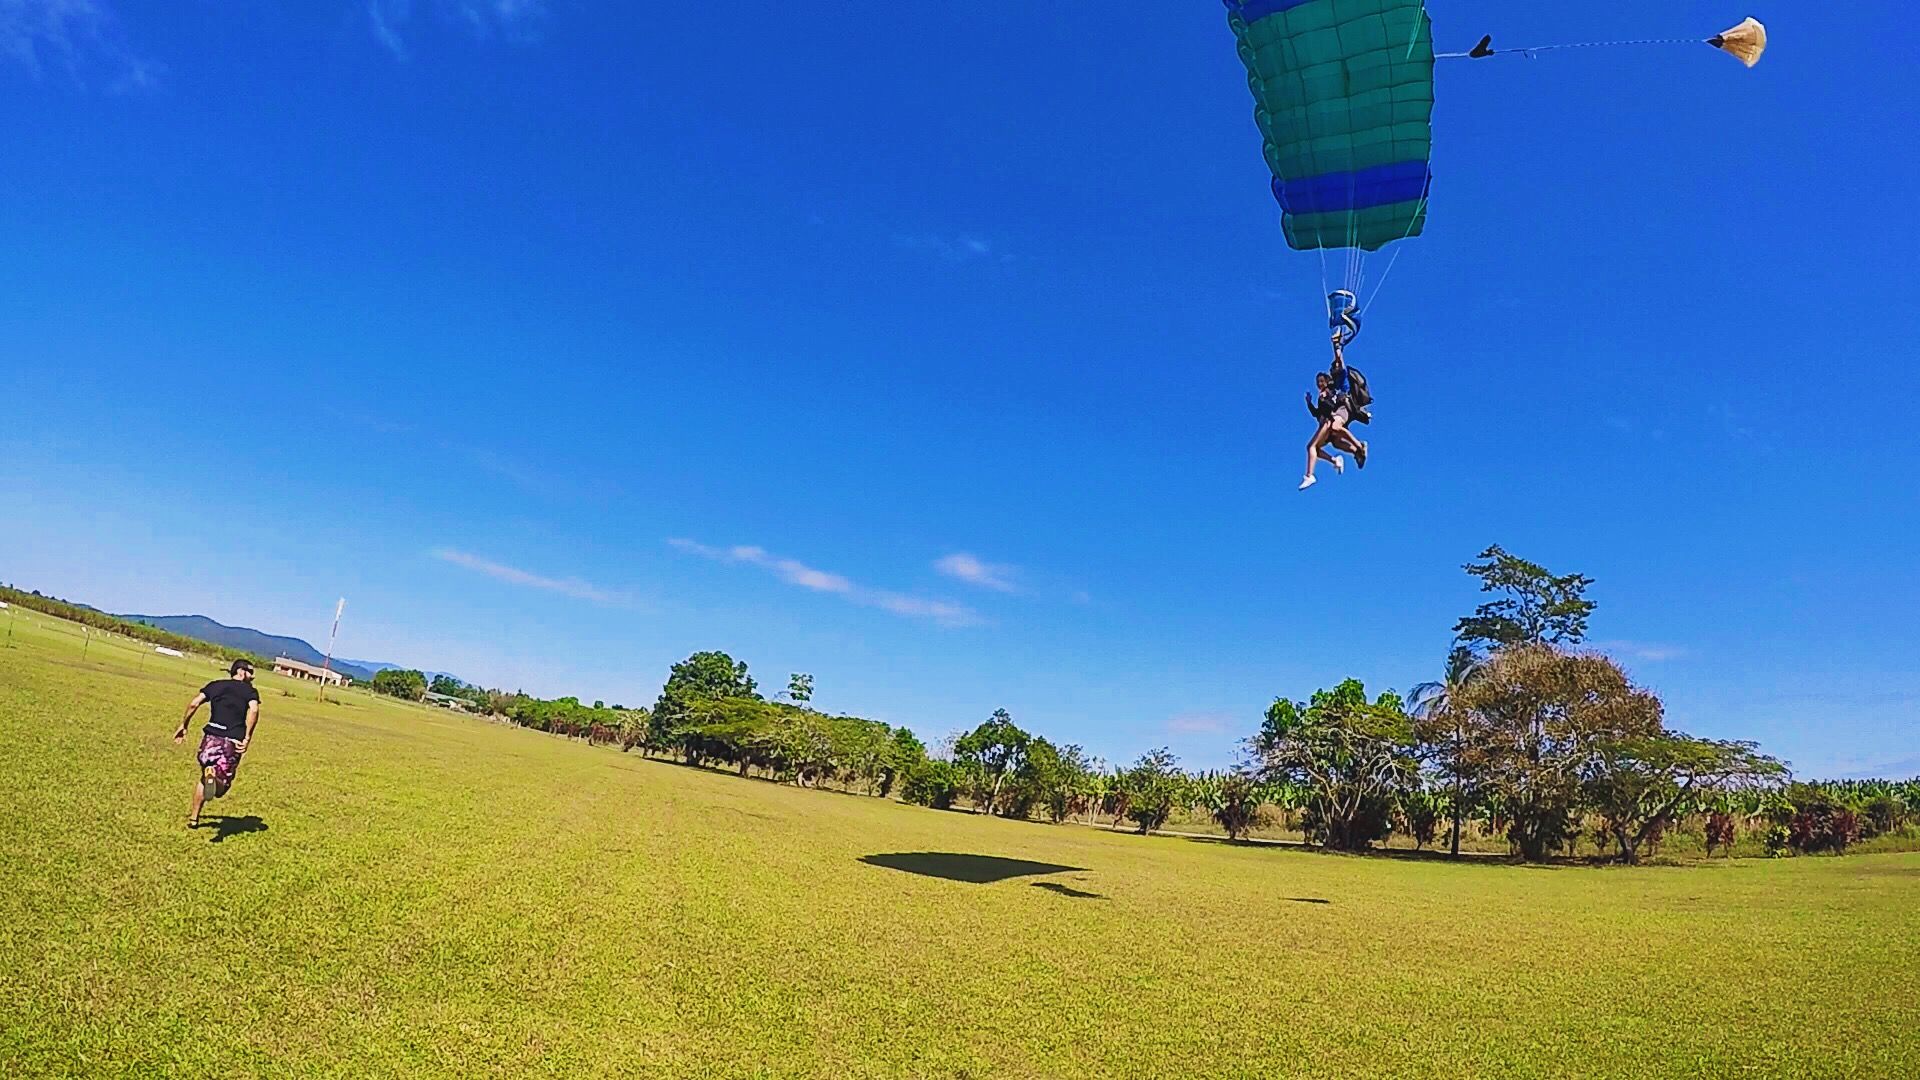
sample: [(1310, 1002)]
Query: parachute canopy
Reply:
[(1343, 94)]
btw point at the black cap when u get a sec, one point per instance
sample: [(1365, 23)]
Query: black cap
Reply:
[(239, 666)]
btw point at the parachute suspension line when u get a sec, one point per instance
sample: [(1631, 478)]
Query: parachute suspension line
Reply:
[(1483, 50), (1418, 212)]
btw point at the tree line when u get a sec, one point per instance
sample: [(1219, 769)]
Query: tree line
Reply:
[(1528, 736)]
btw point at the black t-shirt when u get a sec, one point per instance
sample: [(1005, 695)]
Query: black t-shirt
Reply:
[(227, 701)]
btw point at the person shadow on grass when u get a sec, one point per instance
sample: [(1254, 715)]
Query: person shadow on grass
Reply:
[(225, 826)]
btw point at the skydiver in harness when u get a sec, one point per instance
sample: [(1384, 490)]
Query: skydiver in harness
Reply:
[(1342, 396)]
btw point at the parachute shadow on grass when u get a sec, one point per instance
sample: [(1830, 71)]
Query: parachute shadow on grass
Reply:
[(978, 869), (1066, 890)]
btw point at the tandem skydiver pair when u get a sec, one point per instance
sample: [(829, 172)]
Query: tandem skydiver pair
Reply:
[(1340, 396)]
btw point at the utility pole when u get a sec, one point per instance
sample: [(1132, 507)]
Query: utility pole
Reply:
[(326, 665)]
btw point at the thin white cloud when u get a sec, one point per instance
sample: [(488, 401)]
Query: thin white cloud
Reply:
[(385, 16), (963, 247), (34, 32), (1888, 770), (1199, 723), (794, 572), (513, 575), (973, 570), (1651, 652), (513, 20), (944, 612), (73, 35)]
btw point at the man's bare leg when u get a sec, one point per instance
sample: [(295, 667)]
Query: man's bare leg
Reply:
[(199, 797), (1344, 439)]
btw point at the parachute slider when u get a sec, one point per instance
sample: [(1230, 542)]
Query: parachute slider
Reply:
[(1343, 317)]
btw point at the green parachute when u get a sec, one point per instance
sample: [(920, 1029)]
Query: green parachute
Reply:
[(1343, 96)]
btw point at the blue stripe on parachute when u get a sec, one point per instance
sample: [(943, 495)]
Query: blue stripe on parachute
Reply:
[(1382, 185)]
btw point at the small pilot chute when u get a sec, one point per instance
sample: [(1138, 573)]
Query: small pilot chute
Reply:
[(1744, 42)]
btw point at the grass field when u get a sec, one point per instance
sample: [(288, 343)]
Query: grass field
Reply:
[(401, 892)]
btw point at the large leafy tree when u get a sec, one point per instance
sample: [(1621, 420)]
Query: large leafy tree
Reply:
[(990, 754), (632, 725), (1536, 718), (1534, 607), (693, 686), (1054, 778), (401, 683), (1153, 787), (1352, 756), (905, 754), (743, 731), (862, 749), (932, 783), (803, 743), (1641, 784)]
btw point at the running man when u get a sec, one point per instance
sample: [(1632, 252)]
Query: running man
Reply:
[(233, 708)]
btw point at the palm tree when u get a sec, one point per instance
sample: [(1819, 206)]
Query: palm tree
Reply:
[(1435, 712)]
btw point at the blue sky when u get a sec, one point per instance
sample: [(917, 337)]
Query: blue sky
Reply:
[(952, 353)]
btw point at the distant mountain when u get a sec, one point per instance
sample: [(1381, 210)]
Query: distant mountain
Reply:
[(201, 628), (372, 665), (381, 665)]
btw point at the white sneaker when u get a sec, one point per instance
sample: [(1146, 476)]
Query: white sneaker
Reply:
[(1339, 464), (1307, 482)]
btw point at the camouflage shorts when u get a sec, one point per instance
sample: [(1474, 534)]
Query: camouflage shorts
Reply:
[(222, 755)]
